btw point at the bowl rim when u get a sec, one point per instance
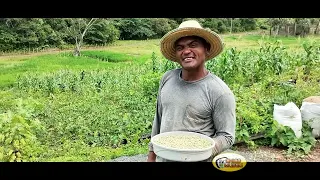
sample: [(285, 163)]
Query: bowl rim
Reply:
[(183, 150)]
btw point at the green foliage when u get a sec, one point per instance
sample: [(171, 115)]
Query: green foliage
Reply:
[(18, 139), (223, 25), (262, 23), (151, 80), (161, 26), (108, 56), (264, 77), (8, 39), (215, 24), (150, 84), (248, 24), (135, 28), (254, 66), (161, 65), (311, 58), (102, 33), (94, 110), (104, 108), (37, 34), (78, 151), (284, 136), (228, 66)]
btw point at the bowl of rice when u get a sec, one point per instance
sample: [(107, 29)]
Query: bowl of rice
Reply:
[(182, 146)]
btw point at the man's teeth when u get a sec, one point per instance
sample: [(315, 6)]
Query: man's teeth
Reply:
[(189, 58)]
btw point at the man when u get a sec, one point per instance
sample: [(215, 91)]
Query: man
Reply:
[(191, 98)]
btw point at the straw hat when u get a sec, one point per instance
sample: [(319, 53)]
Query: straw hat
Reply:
[(190, 28)]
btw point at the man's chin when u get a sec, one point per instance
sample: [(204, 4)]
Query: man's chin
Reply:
[(188, 67)]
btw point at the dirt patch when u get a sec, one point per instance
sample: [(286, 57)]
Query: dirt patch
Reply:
[(261, 154), (273, 154)]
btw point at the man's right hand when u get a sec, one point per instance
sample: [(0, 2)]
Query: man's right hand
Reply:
[(151, 157)]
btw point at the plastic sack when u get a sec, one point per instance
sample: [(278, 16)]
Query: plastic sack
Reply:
[(312, 99), (289, 115), (310, 112)]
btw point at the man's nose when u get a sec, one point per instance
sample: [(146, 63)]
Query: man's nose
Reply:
[(186, 50)]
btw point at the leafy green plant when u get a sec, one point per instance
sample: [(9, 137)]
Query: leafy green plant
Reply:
[(284, 136), (311, 58), (17, 138), (150, 84)]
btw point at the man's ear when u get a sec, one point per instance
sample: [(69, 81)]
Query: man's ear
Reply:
[(207, 51)]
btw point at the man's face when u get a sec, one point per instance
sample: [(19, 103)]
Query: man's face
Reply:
[(191, 52)]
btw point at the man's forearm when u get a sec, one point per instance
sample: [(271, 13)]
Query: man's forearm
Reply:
[(151, 157), (224, 117), (222, 143)]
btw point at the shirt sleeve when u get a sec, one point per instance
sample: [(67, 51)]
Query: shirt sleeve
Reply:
[(224, 117)]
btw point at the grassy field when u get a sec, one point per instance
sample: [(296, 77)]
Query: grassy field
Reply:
[(57, 107), (136, 51)]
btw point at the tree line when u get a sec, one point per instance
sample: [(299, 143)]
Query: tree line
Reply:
[(40, 33)]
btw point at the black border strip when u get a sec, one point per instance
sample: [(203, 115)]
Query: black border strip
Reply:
[(150, 170), (158, 9)]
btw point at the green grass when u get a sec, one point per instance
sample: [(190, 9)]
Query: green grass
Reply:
[(125, 53), (79, 152), (136, 48), (115, 57), (10, 70), (243, 41)]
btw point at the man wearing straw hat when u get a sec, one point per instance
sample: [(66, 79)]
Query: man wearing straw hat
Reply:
[(191, 98)]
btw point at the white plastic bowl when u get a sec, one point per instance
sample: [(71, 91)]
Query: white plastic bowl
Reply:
[(182, 155)]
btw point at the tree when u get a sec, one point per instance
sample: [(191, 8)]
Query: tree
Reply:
[(274, 23), (59, 26), (135, 28), (231, 25), (160, 26), (78, 28), (31, 33), (304, 26), (317, 27), (102, 32), (248, 24), (316, 22), (287, 22)]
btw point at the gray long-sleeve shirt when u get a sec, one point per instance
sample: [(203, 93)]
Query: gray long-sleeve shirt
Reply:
[(205, 106)]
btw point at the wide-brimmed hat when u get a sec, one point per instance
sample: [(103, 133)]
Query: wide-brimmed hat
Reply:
[(190, 28)]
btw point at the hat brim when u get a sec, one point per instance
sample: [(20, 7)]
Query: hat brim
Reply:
[(167, 41)]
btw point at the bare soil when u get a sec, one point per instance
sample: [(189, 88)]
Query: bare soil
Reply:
[(260, 154), (273, 154)]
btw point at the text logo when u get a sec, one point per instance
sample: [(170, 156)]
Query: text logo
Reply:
[(229, 162)]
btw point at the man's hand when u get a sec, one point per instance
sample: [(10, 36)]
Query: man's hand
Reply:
[(151, 157), (214, 151)]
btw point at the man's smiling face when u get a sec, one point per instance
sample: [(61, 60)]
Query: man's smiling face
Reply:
[(191, 52)]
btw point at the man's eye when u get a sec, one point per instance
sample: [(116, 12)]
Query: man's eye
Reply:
[(179, 48), (193, 45)]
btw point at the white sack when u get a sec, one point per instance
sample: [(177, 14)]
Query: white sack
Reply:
[(289, 115), (310, 112)]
